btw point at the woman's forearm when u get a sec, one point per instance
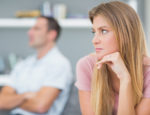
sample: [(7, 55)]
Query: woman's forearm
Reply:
[(126, 104)]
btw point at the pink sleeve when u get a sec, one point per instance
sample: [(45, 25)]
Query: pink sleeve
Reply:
[(146, 91), (83, 73)]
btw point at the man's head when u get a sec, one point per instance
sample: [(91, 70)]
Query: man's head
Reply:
[(45, 31)]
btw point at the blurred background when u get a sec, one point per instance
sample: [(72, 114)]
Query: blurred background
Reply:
[(17, 16)]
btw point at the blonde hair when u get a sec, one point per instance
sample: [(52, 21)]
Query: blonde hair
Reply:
[(131, 41)]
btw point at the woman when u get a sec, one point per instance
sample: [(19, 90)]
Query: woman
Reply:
[(116, 79)]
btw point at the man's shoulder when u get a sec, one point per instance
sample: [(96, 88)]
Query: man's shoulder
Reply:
[(60, 58), (57, 62), (25, 61), (61, 62)]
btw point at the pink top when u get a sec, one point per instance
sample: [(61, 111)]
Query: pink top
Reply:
[(84, 71)]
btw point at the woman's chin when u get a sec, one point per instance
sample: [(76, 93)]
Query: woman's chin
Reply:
[(99, 56)]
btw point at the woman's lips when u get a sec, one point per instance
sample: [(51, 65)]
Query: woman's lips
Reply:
[(98, 49)]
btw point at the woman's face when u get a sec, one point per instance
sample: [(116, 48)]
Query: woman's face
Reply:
[(104, 40)]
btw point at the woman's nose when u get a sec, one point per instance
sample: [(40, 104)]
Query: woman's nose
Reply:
[(96, 39)]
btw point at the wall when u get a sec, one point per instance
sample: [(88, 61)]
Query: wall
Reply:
[(147, 20)]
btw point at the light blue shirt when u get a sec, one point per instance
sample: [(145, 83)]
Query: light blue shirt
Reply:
[(52, 70)]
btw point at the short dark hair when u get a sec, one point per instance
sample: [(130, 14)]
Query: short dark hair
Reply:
[(52, 25)]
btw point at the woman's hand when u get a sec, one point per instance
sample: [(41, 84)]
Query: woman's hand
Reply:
[(115, 62)]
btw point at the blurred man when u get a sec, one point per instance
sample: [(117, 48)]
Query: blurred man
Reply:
[(41, 83)]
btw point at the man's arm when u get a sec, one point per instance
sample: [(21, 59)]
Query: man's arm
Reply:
[(42, 101), (9, 99)]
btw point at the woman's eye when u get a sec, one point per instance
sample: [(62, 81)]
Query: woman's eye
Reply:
[(104, 31), (93, 32)]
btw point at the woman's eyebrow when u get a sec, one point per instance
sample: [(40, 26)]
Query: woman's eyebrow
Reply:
[(102, 27), (99, 28)]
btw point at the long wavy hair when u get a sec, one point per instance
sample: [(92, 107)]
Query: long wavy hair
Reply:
[(131, 41)]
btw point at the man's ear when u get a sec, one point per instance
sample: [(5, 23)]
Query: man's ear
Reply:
[(52, 34)]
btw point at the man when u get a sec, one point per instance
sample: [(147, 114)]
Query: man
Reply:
[(41, 83)]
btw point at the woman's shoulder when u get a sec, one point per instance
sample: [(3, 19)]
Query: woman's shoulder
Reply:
[(88, 60), (84, 70), (146, 89), (146, 63)]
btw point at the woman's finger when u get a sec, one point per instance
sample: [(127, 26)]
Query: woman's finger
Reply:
[(105, 59)]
